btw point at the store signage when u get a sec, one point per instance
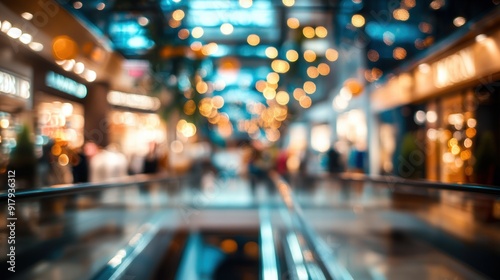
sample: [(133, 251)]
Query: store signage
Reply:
[(453, 69), (15, 86), (135, 101), (65, 85)]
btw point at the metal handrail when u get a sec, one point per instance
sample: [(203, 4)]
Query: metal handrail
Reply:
[(395, 181), (326, 261), (68, 189)]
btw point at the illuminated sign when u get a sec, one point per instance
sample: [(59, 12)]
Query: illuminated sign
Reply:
[(65, 85), (128, 34), (453, 69), (215, 13), (15, 86), (136, 101)]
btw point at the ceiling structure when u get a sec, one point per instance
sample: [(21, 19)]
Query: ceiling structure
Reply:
[(248, 51)]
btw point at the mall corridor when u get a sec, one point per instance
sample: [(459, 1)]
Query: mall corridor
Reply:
[(249, 139)]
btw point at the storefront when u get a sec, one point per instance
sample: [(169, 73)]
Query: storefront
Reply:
[(15, 103), (59, 114), (134, 125), (448, 103)]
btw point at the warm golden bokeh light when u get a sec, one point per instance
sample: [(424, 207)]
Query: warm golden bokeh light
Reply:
[(253, 39), (174, 23), (273, 78), (293, 23), (305, 102), (210, 48), (282, 97), (271, 52), (280, 66), (202, 87), (323, 69), (229, 246), (218, 101), (292, 55), (358, 20), (196, 46), (332, 54), (183, 34), (288, 3), (226, 28), (189, 107), (401, 14), (269, 93), (308, 32), (312, 72), (321, 31), (298, 93), (399, 53), (178, 15), (246, 3), (309, 56), (309, 87), (260, 85), (197, 32)]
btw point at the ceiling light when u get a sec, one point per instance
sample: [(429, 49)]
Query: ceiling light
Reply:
[(90, 75), (27, 16), (6, 25), (68, 65), (79, 68), (36, 46), (25, 38), (288, 3), (459, 21), (399, 53), (101, 6), (77, 5), (481, 37), (143, 21), (401, 14), (14, 32), (424, 68)]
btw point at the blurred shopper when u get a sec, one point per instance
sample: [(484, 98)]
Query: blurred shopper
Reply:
[(259, 166), (80, 166), (107, 163), (281, 167), (333, 160), (151, 160)]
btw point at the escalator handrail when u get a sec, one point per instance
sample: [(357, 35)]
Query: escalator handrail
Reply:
[(67, 189), (331, 267), (395, 181)]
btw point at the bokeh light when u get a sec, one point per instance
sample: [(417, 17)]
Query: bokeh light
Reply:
[(332, 54), (358, 20), (293, 23)]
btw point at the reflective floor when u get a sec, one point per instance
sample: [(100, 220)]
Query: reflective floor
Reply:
[(368, 229)]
